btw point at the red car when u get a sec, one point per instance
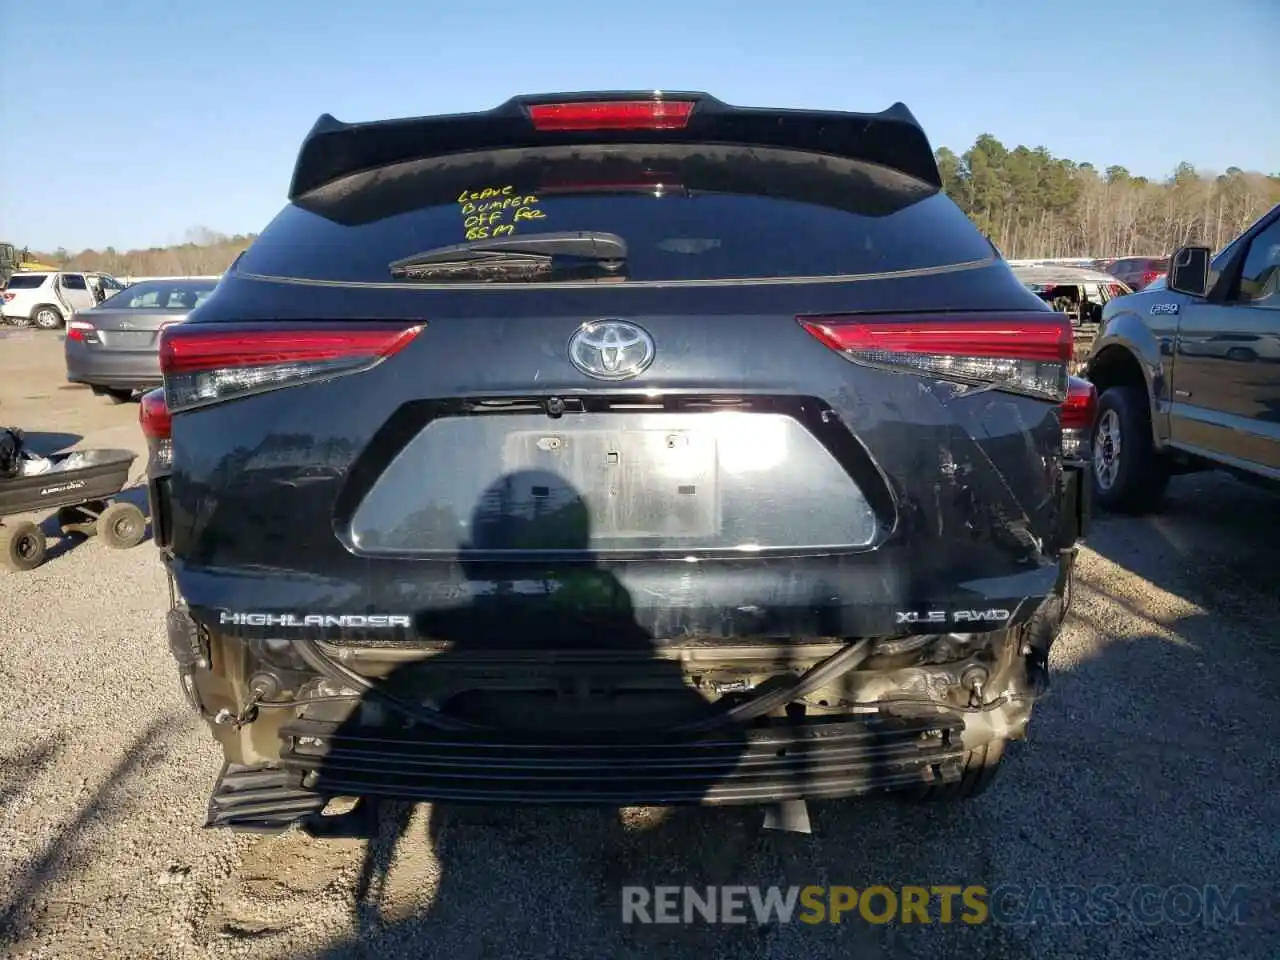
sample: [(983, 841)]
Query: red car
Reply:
[(1137, 272)]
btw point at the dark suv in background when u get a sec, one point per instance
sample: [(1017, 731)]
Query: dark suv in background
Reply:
[(623, 449)]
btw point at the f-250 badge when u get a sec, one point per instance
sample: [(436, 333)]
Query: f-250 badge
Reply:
[(1164, 308)]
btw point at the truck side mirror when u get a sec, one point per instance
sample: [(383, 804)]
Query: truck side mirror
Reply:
[(1189, 271)]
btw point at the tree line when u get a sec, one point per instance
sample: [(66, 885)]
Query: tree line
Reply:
[(1033, 204), (1029, 202), (204, 252)]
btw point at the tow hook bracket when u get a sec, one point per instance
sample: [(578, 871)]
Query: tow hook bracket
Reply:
[(791, 816), (185, 642)]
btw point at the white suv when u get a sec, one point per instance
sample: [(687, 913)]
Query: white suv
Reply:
[(48, 299)]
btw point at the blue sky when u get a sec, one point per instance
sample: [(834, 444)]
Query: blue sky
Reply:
[(129, 123)]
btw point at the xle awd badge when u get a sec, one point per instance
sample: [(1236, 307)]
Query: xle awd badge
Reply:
[(611, 349)]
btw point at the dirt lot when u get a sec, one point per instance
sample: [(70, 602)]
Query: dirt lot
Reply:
[(1153, 762)]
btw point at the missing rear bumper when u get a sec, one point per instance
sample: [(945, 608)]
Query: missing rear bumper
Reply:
[(776, 763)]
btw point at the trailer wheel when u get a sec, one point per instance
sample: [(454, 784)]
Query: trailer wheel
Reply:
[(81, 520), (121, 526), (22, 546)]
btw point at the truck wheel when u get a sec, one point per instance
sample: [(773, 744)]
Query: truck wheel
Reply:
[(1128, 475), (121, 526), (47, 318), (980, 768), (22, 546)]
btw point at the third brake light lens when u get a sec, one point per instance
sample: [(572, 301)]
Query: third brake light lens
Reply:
[(612, 115)]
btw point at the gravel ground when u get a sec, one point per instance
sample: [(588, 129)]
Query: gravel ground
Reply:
[(1152, 763)]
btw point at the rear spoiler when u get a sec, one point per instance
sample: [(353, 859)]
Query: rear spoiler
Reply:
[(892, 138)]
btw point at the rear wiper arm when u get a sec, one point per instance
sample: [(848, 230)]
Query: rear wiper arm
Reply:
[(536, 250)]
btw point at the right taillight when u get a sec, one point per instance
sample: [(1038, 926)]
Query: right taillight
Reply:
[(1022, 352), (1076, 416), (210, 363)]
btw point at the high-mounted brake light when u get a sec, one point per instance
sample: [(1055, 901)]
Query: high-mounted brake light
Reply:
[(1022, 352), (611, 115), (208, 363)]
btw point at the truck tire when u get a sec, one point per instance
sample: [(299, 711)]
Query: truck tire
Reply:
[(1129, 476), (47, 317)]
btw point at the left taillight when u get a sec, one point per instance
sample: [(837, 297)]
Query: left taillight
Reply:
[(1021, 352), (81, 330), (157, 427), (211, 363)]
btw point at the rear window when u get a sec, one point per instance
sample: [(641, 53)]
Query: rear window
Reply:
[(687, 213), (26, 281), (163, 296)]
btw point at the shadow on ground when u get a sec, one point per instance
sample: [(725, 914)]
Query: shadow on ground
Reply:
[(1215, 541), (115, 798), (1150, 767)]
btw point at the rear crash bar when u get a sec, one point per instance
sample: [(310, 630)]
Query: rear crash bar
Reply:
[(785, 761)]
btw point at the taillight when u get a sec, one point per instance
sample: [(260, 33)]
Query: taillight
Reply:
[(1148, 276), (153, 416), (8, 295), (208, 363), (612, 115), (81, 330), (1022, 352), (1076, 416)]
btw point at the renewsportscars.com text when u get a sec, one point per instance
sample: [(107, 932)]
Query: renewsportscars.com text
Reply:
[(1008, 904)]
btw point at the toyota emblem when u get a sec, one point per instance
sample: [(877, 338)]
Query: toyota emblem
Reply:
[(611, 349)]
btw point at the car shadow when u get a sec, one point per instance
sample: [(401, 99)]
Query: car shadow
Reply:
[(1213, 541)]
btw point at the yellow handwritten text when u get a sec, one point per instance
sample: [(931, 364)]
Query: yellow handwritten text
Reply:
[(495, 211)]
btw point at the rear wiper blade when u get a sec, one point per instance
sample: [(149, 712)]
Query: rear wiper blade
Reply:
[(536, 251)]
